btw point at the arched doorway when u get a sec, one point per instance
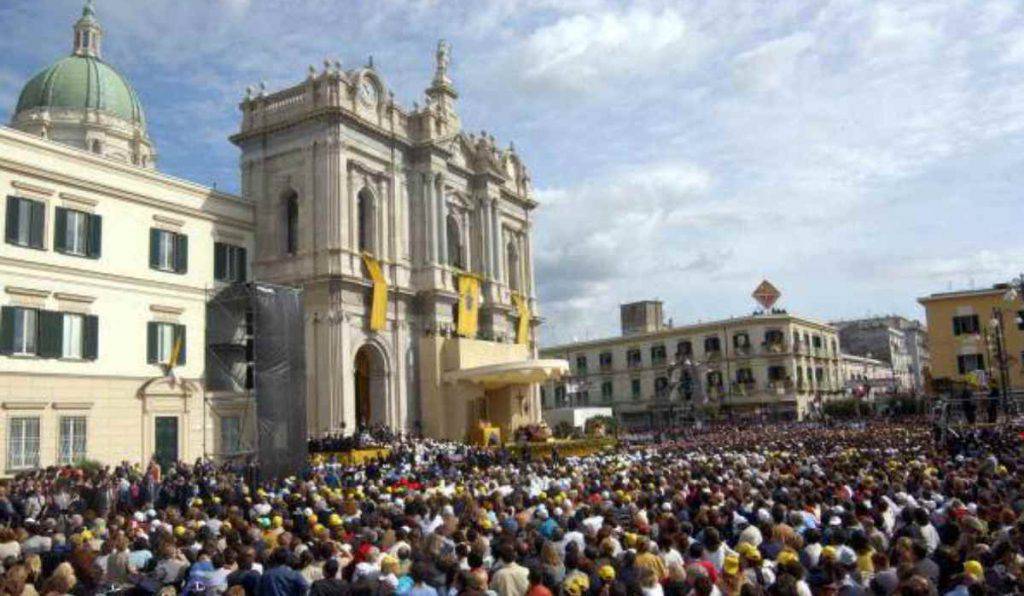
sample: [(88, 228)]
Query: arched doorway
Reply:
[(371, 387)]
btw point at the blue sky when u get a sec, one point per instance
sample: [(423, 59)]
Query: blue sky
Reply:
[(858, 154)]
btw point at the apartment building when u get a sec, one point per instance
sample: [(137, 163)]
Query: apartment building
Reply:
[(774, 363)]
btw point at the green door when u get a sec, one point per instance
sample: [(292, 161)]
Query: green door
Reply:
[(166, 432)]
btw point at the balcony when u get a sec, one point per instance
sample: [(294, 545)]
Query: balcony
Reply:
[(743, 388), (781, 385), (774, 347), (745, 350), (713, 354)]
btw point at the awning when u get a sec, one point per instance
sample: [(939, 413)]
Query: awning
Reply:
[(523, 372)]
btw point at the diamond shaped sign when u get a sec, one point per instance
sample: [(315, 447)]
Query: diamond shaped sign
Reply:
[(766, 294)]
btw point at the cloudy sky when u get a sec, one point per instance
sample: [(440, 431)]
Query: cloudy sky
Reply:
[(858, 154)]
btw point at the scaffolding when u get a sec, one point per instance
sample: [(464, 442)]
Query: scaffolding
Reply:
[(255, 357)]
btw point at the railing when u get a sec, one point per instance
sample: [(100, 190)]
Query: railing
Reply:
[(746, 350), (713, 354), (778, 347)]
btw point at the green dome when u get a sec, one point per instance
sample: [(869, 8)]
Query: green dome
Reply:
[(83, 82)]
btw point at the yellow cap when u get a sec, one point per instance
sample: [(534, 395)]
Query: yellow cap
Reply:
[(974, 569), (179, 531), (732, 565), (277, 521), (606, 572)]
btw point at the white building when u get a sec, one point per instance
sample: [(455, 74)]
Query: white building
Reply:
[(865, 377), (900, 342), (766, 364), (105, 267)]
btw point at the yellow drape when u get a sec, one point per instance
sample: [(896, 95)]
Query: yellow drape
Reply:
[(469, 305), (379, 309), (523, 329)]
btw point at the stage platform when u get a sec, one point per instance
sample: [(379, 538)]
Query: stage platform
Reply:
[(351, 458), (565, 447), (545, 449)]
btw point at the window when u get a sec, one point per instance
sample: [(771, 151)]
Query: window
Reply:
[(168, 251), (1020, 319), (714, 379), (633, 358), (581, 365), (77, 233), (291, 223), (661, 386), (21, 327), (741, 340), (635, 388), (25, 220), (230, 435), (27, 331), (744, 375), (776, 373), (657, 355), (72, 341), (605, 360), (512, 258), (966, 363), (161, 341), (71, 448), (583, 398), (454, 237), (559, 395), (606, 391), (816, 341), (22, 443), (712, 344), (367, 218), (965, 325), (773, 337), (684, 349), (229, 262), (819, 375)]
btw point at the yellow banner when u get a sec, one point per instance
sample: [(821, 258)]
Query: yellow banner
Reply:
[(379, 310), (523, 329), (469, 305)]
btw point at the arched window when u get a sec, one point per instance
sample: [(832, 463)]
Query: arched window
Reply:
[(454, 235), (291, 222), (514, 281), (367, 217), (96, 147)]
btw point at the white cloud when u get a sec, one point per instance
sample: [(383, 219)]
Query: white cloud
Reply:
[(596, 51)]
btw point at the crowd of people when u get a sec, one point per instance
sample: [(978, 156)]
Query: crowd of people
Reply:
[(788, 510)]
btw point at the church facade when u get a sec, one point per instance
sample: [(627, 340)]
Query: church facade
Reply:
[(412, 241)]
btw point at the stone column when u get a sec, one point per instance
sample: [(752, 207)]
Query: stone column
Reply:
[(442, 221), (485, 236), (431, 217), (497, 241), (528, 261)]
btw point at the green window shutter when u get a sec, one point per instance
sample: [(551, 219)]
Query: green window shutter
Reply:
[(179, 335), (151, 342), (242, 258), (7, 329), (94, 247), (180, 253), (91, 337), (11, 226), (154, 248), (220, 261), (60, 230), (37, 216), (51, 334)]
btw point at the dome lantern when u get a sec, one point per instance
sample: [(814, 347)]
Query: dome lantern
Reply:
[(88, 33)]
